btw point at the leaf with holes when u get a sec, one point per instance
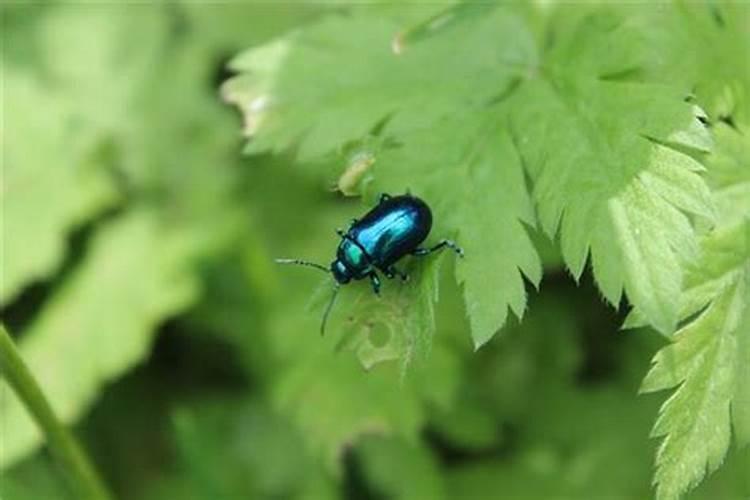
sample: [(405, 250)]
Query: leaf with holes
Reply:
[(487, 209), (468, 108)]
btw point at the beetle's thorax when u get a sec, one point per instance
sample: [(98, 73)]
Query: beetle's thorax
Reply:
[(353, 257)]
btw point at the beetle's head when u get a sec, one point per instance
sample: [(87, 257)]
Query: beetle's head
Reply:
[(340, 272)]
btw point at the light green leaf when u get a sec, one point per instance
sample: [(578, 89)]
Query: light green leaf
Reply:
[(458, 13), (102, 321), (352, 79), (89, 54), (700, 35), (481, 148), (729, 175), (473, 102), (487, 208), (696, 419), (50, 180), (60, 115), (604, 178), (741, 400), (709, 357)]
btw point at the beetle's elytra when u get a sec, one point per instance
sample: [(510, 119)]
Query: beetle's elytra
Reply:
[(395, 227)]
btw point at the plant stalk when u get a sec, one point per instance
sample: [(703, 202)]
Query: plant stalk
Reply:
[(61, 442)]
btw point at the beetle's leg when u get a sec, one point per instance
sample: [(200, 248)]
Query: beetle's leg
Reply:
[(354, 221), (392, 271), (341, 232), (421, 252), (375, 282), (383, 197)]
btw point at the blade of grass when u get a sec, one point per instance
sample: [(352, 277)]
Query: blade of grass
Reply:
[(61, 442)]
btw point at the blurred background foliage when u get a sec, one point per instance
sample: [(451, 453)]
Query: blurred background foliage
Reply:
[(139, 284)]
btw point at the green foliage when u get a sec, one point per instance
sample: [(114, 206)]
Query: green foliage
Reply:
[(261, 447), (708, 360), (429, 95), (592, 140), (60, 197), (139, 242), (397, 470), (102, 351), (80, 141), (609, 146), (707, 35)]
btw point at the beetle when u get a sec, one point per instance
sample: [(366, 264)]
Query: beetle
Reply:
[(394, 228)]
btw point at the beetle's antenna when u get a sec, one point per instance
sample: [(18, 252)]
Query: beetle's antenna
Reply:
[(303, 263), (328, 309)]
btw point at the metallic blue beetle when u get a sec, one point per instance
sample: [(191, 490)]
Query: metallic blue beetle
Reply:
[(394, 228)]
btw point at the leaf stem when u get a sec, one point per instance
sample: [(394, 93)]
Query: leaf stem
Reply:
[(60, 441)]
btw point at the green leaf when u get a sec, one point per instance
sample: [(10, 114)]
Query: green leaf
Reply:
[(88, 53), (395, 469), (696, 419), (741, 400), (469, 106), (700, 35), (65, 107), (443, 20), (482, 148), (102, 320), (51, 181), (352, 80), (709, 357), (604, 177), (487, 208), (406, 334), (330, 398), (109, 111), (334, 403)]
